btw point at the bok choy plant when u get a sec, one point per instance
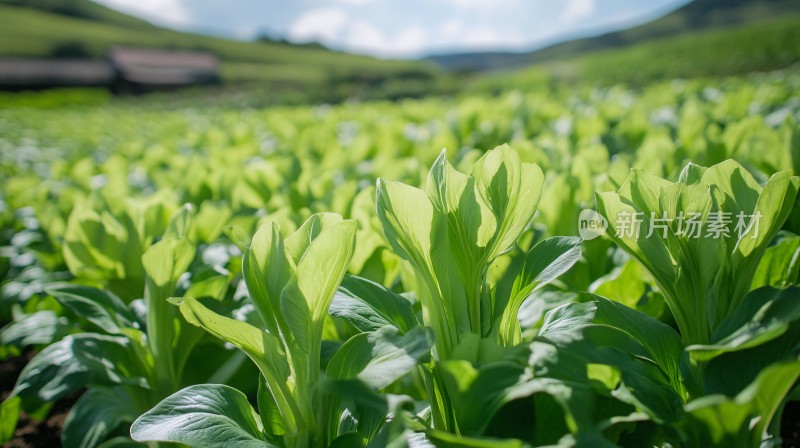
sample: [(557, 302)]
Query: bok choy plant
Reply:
[(722, 378), (130, 355), (450, 234), (291, 283), (701, 238)]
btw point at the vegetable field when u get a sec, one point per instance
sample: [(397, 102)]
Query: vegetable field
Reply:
[(561, 266)]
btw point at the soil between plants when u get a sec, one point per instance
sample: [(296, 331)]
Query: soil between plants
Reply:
[(31, 433), (47, 433)]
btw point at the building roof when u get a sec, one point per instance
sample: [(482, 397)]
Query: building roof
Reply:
[(145, 57), (141, 66), (66, 72)]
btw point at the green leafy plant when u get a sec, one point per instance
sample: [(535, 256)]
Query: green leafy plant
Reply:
[(697, 345), (747, 373), (734, 344), (291, 283), (450, 234), (128, 361), (703, 277)]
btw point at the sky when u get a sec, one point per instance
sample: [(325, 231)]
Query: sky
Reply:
[(402, 28)]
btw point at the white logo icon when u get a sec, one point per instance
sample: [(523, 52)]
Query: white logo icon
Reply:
[(591, 224)]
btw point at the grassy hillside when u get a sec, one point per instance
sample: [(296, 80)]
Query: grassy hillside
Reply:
[(699, 15), (82, 9), (762, 46), (80, 28)]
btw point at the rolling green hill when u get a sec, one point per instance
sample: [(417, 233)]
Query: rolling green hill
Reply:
[(697, 16), (761, 46), (83, 9), (81, 28)]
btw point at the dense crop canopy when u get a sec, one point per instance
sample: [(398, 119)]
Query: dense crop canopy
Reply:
[(702, 237)]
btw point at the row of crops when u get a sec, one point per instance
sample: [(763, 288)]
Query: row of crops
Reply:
[(329, 276)]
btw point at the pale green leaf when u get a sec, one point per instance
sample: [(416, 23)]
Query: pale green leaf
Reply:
[(369, 306), (381, 357), (95, 415), (205, 415)]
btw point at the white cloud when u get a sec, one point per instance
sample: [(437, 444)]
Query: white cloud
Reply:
[(246, 32), (451, 29), (167, 12), (392, 29), (323, 24), (483, 4), (365, 36), (483, 37), (410, 40), (577, 10)]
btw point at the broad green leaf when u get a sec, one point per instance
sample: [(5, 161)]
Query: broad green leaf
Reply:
[(105, 248), (110, 360), (652, 253), (703, 275), (568, 317), (267, 269), (369, 238), (547, 260), (441, 439), (205, 415), (607, 333), (774, 204), (96, 415), (716, 420), (164, 263), (121, 442), (9, 416), (542, 264), (475, 395), (692, 173), (458, 263), (307, 297), (52, 373), (76, 361), (211, 284), (238, 236), (740, 189), (347, 440), (167, 260), (381, 357), (298, 242), (356, 391), (180, 223), (409, 222), (369, 306), (747, 363), (263, 348), (660, 340), (41, 327), (763, 315), (101, 308), (780, 266), (268, 411), (624, 284), (511, 190), (210, 220)]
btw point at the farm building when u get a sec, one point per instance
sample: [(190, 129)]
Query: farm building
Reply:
[(138, 69), (42, 73), (123, 70)]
